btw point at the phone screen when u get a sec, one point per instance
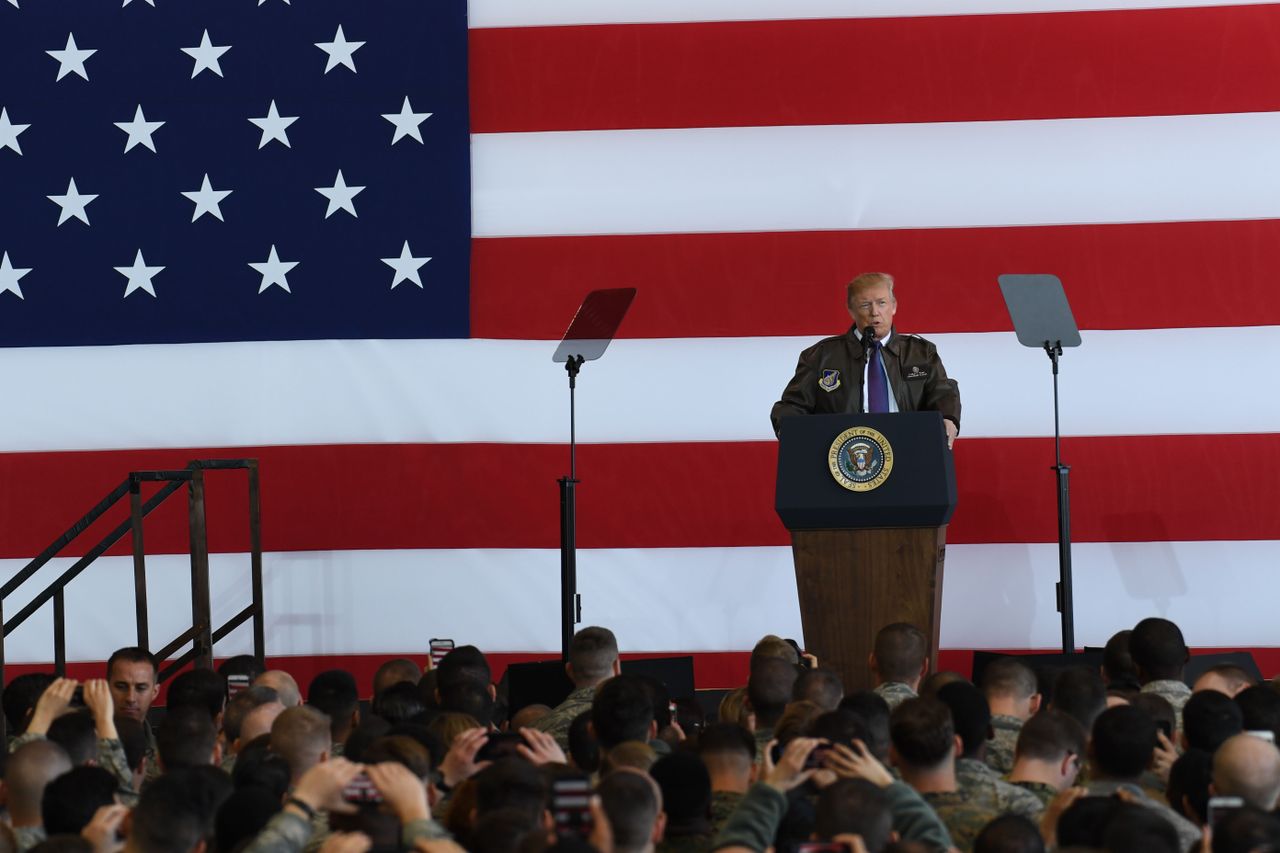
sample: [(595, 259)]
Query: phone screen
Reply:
[(440, 648), (1222, 807), (571, 805)]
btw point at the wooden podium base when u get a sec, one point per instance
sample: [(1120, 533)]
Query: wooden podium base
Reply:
[(852, 583)]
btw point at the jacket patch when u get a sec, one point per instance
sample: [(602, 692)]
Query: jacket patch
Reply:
[(830, 380), (915, 371)]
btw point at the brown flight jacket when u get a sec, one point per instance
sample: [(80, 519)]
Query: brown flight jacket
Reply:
[(828, 379)]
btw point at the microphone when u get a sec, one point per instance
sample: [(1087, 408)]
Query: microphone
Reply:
[(868, 338)]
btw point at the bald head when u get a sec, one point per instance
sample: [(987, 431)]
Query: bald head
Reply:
[(393, 672), (258, 722), (301, 737), (1224, 678), (284, 685), (28, 771), (1248, 767)]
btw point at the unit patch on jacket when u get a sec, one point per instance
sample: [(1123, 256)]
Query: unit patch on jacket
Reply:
[(916, 372), (830, 380)]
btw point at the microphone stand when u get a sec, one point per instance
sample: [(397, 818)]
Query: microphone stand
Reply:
[(1066, 605)]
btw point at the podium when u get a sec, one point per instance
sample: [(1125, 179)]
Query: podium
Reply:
[(865, 555)]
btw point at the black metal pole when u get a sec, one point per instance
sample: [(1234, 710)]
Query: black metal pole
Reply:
[(1066, 604), (570, 605)]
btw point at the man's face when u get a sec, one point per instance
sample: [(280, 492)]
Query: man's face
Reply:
[(873, 306), (133, 687)]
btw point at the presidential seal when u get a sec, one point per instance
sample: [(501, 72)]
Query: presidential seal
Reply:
[(860, 459)]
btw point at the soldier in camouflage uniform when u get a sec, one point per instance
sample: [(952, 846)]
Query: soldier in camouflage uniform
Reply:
[(132, 675), (899, 661), (925, 742), (1013, 695), (593, 658), (972, 720), (1160, 654), (729, 753), (1049, 755)]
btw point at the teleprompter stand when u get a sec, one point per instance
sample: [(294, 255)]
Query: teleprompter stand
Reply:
[(1042, 318), (589, 335)]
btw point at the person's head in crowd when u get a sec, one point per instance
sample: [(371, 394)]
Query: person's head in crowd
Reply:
[(901, 654), (131, 675), (503, 831), (424, 737), (686, 793), (1260, 707), (188, 738), (1208, 719), (660, 699), (70, 800), (733, 707), (284, 684), (1134, 827), (199, 688), (427, 688), (729, 753), (628, 755), (167, 819), (1009, 833), (527, 716), (970, 716), (20, 698), (839, 726), (925, 744), (1248, 767), (633, 804), (820, 686), (407, 752), (935, 681), (873, 710), (1248, 830), (620, 711), (241, 704), (450, 724), (245, 666), (242, 816), (1159, 709), (854, 807), (1188, 787), (1082, 824), (1158, 650), (399, 702), (1011, 688), (258, 722), (512, 783), (769, 689), (795, 721), (370, 729), (1224, 678), (77, 733), (207, 788), (29, 769), (464, 663), (301, 737), (393, 672), (773, 646), (1123, 744), (465, 697), (1118, 668), (133, 738), (1050, 749), (1120, 696), (584, 751), (258, 767), (593, 657), (1079, 691), (334, 692)]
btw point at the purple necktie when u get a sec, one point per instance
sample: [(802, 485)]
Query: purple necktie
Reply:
[(877, 389)]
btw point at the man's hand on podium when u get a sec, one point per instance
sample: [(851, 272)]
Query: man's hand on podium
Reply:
[(952, 431)]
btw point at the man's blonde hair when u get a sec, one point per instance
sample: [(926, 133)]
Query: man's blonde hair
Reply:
[(865, 280)]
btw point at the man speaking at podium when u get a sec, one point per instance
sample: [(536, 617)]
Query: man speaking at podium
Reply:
[(872, 367)]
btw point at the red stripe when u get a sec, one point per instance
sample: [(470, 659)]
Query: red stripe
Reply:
[(966, 68), (647, 495), (711, 670), (1156, 275)]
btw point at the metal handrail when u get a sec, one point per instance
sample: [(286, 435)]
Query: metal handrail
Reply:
[(202, 635)]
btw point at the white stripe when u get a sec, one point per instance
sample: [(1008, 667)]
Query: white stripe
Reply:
[(679, 599), (522, 13), (684, 389), (959, 174)]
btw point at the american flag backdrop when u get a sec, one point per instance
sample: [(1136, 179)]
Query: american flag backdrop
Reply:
[(344, 236)]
